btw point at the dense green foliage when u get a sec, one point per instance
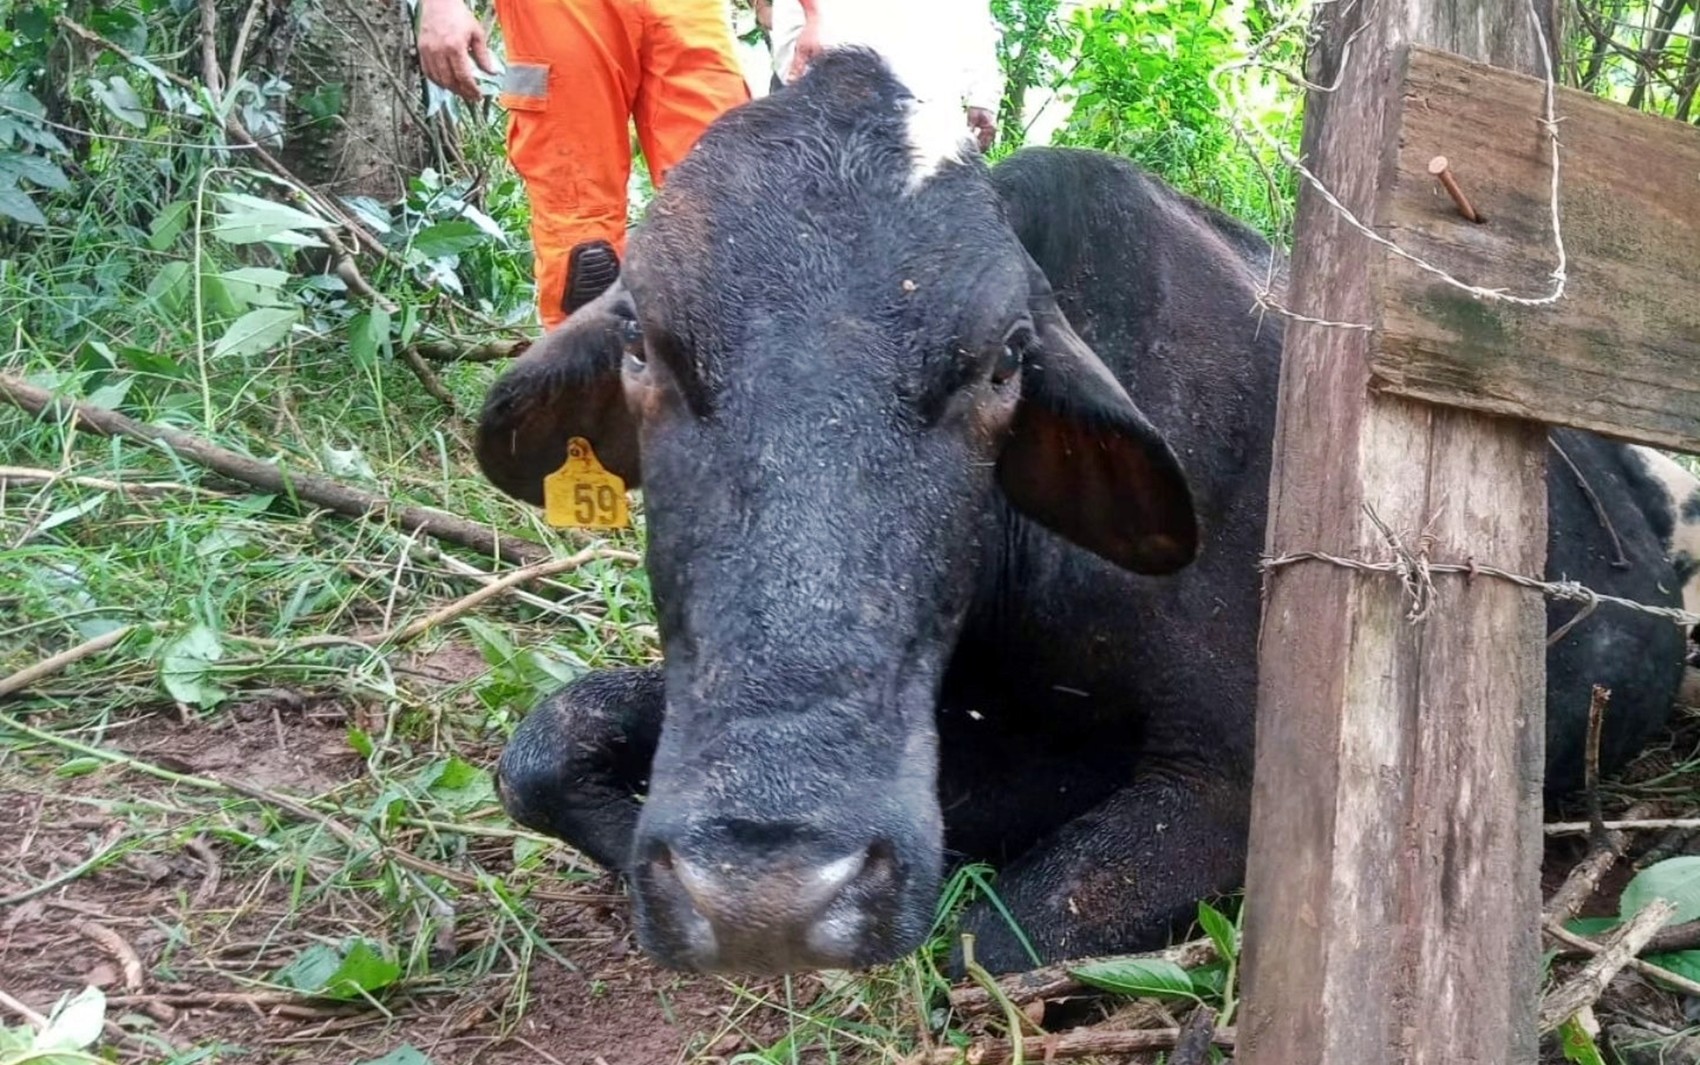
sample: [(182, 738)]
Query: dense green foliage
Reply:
[(154, 261)]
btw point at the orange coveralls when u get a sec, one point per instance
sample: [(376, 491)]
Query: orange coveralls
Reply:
[(577, 72)]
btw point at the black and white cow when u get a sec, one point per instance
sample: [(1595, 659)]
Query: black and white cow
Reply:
[(930, 586)]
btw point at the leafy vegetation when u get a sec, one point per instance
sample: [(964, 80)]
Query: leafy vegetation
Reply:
[(160, 257)]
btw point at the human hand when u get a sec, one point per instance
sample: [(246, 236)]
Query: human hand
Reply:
[(985, 127), (448, 34), (808, 46)]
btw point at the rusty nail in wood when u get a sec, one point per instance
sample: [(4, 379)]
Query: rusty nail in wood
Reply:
[(1438, 167)]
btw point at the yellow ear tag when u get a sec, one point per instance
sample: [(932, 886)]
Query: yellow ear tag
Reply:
[(583, 495)]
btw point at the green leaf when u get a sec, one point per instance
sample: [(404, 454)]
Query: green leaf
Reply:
[(1676, 880), (527, 851), (1138, 977), (257, 331), (374, 215), (76, 1024), (448, 238), (168, 225), (358, 967), (1220, 930), (367, 335), (169, 289), (255, 286), (1682, 963), (35, 169), (459, 785), (1592, 926), (71, 513), (251, 220), (457, 774), (361, 742), (79, 767), (185, 665), (406, 1054), (119, 98), (1209, 981), (17, 205), (496, 648), (1577, 1045)]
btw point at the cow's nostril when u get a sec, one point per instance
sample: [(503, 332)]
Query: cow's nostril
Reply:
[(708, 900)]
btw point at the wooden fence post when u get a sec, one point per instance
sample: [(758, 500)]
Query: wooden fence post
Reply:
[(1393, 892)]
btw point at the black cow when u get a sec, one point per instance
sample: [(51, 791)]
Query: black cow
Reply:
[(921, 566)]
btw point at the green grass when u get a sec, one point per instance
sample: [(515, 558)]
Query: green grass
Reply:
[(247, 604)]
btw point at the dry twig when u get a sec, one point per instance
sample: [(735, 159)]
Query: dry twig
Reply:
[(319, 491), (31, 475), (1647, 969), (1585, 878), (1080, 1043), (1685, 936), (502, 584), (1052, 981), (1642, 824), (488, 351), (52, 664), (1197, 1031), (23, 1011), (1616, 953)]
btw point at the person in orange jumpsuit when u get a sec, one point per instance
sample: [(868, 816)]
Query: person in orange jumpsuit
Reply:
[(578, 71)]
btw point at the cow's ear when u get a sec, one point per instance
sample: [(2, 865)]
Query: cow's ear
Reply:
[(567, 385), (1084, 462)]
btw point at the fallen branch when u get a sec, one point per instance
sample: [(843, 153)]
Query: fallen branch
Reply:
[(1650, 824), (1192, 1047), (497, 587), (428, 378), (1613, 956), (193, 999), (31, 475), (52, 664), (1052, 981), (298, 807), (488, 351), (1647, 969), (1597, 832), (1584, 880), (23, 1011), (314, 489), (1080, 1043), (1685, 936)]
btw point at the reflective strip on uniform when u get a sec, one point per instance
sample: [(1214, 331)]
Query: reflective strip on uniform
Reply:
[(526, 80)]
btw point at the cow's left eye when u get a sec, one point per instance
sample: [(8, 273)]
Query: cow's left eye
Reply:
[(631, 340), (1008, 360)]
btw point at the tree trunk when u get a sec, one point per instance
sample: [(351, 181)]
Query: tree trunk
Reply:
[(1653, 52), (1690, 72), (355, 124)]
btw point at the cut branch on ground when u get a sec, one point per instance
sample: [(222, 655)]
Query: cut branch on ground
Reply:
[(311, 488), (1080, 1043), (1611, 957), (1053, 981)]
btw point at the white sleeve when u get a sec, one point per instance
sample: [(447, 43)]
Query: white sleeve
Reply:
[(977, 45), (787, 27)]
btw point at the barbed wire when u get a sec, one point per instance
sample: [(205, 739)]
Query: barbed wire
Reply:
[(1416, 573), (1252, 132)]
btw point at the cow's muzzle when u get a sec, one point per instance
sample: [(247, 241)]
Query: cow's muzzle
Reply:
[(771, 899)]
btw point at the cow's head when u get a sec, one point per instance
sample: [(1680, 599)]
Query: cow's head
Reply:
[(836, 371)]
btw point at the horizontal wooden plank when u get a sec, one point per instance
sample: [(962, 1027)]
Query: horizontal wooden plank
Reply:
[(1620, 353)]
